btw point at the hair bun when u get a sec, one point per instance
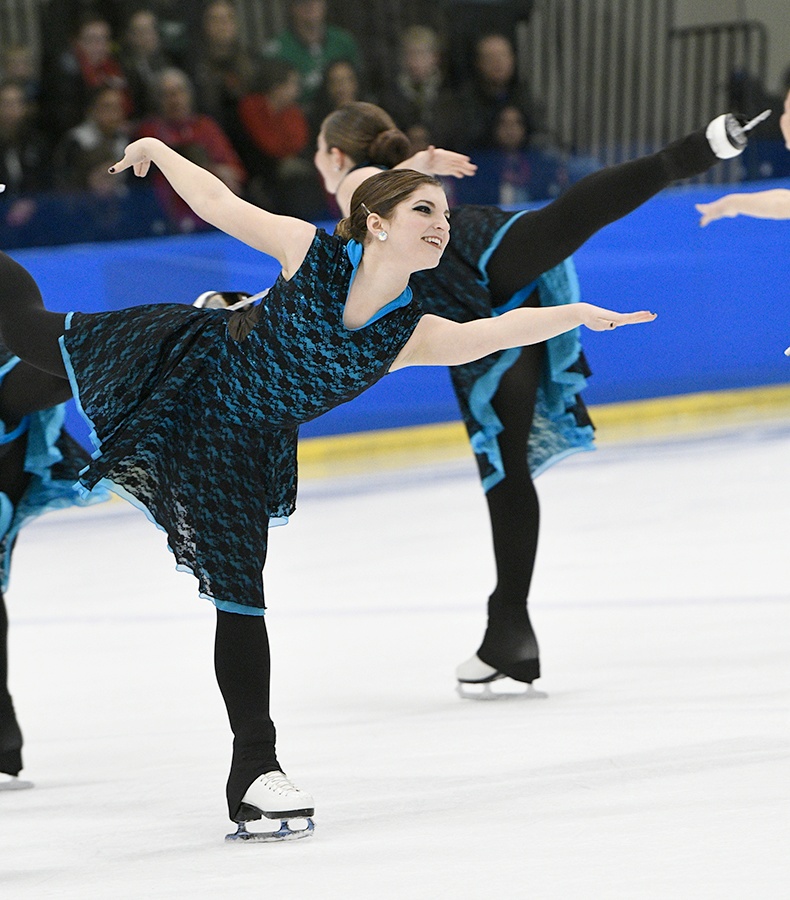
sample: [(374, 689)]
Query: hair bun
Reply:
[(389, 148)]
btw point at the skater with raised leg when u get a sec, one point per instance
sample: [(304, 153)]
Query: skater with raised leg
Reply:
[(522, 408), (173, 392)]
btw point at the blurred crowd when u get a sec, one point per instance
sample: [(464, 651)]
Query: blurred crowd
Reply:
[(183, 73)]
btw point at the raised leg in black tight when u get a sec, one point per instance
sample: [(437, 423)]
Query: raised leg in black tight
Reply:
[(242, 664), (509, 644), (540, 240)]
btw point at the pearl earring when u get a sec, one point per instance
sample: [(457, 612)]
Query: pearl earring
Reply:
[(382, 235)]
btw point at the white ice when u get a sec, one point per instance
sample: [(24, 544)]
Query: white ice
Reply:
[(657, 767)]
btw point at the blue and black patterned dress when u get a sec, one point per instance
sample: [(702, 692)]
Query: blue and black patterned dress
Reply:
[(195, 413), (458, 289)]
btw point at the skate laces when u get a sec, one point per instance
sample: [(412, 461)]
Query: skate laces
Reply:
[(280, 784)]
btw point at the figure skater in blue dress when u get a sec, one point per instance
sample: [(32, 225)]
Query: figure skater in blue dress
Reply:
[(173, 393), (522, 407), (39, 467)]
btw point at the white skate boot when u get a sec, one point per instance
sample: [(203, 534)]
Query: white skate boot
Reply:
[(227, 299), (273, 796), (475, 679), (727, 135), (13, 783)]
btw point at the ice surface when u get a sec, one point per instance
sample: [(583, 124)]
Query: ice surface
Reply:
[(657, 768)]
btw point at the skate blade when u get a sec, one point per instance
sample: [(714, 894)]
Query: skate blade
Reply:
[(12, 783), (283, 833), (484, 690)]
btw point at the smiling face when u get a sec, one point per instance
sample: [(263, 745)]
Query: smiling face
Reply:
[(419, 228)]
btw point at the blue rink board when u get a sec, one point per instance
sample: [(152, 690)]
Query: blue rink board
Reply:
[(721, 294)]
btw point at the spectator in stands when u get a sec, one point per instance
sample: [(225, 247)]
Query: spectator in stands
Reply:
[(493, 86), (310, 44), (278, 133), (195, 136), (419, 91), (88, 64), (340, 85), (24, 156), (86, 152), (19, 65), (222, 70), (142, 56)]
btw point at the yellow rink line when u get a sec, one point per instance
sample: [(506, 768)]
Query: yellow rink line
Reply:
[(663, 417)]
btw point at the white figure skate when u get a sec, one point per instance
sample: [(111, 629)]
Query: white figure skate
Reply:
[(227, 299), (476, 678), (274, 797), (13, 783), (727, 136)]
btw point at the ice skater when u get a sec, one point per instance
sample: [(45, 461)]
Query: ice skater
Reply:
[(39, 468), (196, 412), (522, 407)]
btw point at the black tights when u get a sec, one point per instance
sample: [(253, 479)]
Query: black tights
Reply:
[(242, 664), (10, 735), (536, 242)]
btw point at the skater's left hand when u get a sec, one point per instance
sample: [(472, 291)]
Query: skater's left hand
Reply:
[(598, 319)]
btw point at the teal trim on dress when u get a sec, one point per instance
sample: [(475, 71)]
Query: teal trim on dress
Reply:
[(555, 433), (354, 252), (43, 493), (482, 265)]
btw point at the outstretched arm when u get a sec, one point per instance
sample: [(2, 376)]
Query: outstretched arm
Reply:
[(441, 342), (773, 204), (285, 238), (437, 161), (433, 161)]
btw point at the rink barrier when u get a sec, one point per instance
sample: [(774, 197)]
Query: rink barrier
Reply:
[(723, 316), (657, 419)]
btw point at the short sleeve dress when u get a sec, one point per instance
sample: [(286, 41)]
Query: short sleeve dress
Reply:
[(195, 413)]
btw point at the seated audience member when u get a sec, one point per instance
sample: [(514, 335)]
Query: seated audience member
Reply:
[(512, 173), (88, 64), (85, 152), (310, 44), (142, 56), (419, 91), (493, 86), (19, 64), (222, 70), (340, 84), (24, 157), (194, 135)]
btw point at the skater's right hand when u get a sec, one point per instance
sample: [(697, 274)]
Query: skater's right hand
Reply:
[(138, 154), (598, 319)]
